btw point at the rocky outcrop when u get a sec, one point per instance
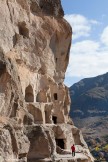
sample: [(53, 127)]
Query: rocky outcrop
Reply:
[(34, 103)]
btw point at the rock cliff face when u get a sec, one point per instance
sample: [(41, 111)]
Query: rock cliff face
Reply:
[(34, 103)]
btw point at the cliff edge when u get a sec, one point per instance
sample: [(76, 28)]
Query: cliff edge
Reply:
[(34, 103)]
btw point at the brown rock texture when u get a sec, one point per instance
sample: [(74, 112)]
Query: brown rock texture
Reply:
[(34, 103)]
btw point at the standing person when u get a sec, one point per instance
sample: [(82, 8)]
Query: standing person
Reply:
[(73, 150)]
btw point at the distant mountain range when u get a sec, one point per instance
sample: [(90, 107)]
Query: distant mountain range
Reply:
[(90, 97), (89, 111)]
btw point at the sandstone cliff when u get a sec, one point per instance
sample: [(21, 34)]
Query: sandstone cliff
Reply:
[(34, 103)]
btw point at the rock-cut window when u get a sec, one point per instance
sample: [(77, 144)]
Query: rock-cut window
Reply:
[(55, 96), (29, 97)]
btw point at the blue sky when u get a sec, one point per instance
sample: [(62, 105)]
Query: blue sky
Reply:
[(89, 51)]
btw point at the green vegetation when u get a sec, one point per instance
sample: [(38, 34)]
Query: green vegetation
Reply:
[(99, 149), (105, 148)]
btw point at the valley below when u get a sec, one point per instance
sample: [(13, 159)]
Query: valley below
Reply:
[(95, 132)]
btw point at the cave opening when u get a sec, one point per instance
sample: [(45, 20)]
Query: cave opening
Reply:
[(41, 97), (56, 60), (25, 120), (23, 30), (29, 97), (2, 68), (46, 117), (60, 143), (54, 118), (55, 96), (14, 109)]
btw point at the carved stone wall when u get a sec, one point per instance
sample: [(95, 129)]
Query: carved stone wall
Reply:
[(34, 102)]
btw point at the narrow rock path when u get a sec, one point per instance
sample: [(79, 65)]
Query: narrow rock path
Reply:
[(69, 156), (79, 157)]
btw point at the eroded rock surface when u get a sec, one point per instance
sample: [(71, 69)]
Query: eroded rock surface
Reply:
[(34, 103)]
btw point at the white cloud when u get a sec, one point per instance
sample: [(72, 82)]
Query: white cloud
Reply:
[(104, 36), (81, 25), (87, 59), (85, 47), (95, 22)]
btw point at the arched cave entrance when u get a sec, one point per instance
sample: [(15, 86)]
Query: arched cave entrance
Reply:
[(29, 97), (38, 118), (60, 143), (41, 97), (37, 114)]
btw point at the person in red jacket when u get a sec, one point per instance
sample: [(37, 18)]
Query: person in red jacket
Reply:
[(73, 150)]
